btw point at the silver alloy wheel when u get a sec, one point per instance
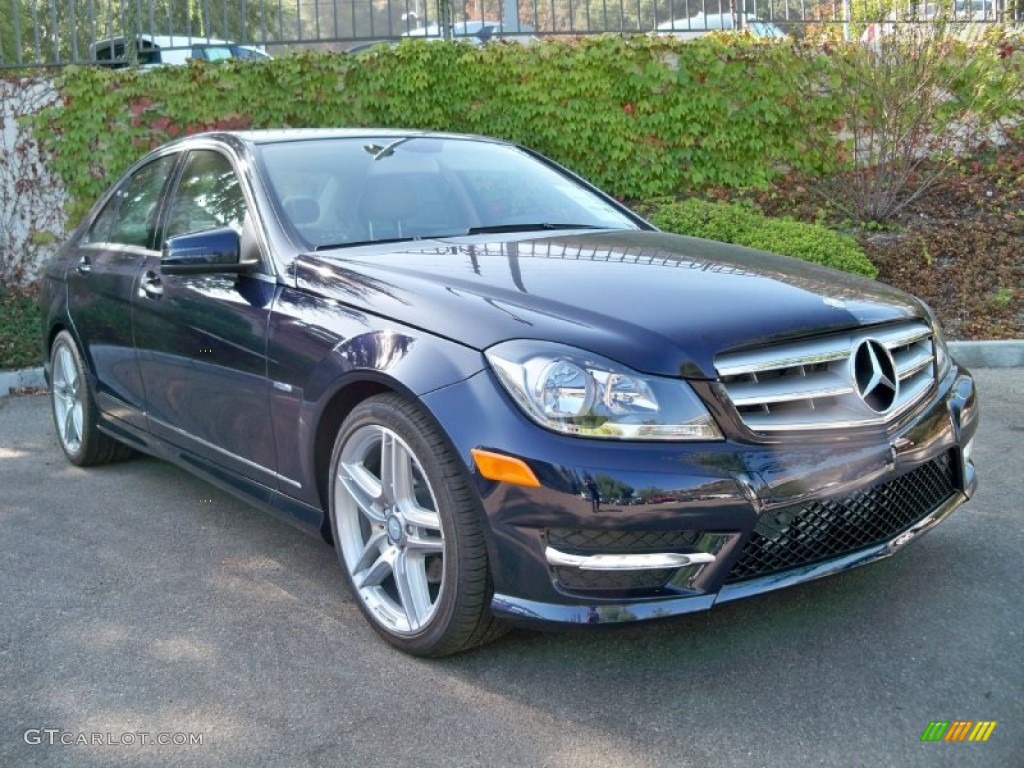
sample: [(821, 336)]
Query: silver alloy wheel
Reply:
[(390, 533), (67, 399)]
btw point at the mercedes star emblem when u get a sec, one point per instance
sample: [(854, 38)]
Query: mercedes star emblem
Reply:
[(874, 375)]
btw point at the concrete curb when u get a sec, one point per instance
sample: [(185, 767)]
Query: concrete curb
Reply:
[(989, 354), (25, 378), (973, 354)]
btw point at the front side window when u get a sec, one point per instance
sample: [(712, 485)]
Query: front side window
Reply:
[(208, 196), (130, 216)]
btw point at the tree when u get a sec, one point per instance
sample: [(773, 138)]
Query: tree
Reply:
[(612, 490)]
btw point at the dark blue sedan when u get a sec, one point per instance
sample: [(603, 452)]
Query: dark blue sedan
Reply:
[(500, 394)]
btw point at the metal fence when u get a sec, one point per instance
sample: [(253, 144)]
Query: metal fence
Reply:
[(36, 33)]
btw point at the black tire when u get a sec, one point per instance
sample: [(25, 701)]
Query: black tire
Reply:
[(411, 537), (73, 405)]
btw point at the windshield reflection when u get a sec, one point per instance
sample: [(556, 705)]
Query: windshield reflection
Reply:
[(351, 191)]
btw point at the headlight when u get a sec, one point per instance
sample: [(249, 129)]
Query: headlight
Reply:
[(578, 393)]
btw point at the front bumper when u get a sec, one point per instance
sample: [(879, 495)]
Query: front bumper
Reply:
[(726, 519)]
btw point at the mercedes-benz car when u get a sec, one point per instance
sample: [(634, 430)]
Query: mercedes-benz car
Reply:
[(498, 393)]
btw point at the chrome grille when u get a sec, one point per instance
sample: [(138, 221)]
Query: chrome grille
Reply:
[(810, 384), (796, 536)]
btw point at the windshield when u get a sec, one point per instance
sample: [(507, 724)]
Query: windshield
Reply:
[(347, 191)]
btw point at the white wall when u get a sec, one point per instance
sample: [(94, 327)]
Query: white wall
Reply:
[(32, 220)]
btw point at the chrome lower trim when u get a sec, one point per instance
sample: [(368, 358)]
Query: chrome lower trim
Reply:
[(530, 611), (881, 551), (228, 454), (626, 562)]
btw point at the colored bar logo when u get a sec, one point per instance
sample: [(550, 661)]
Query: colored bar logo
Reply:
[(958, 730)]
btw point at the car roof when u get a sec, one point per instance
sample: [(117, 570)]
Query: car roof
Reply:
[(167, 41), (258, 137), (279, 135)]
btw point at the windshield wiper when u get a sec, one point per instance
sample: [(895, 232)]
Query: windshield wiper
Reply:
[(354, 243), (544, 225), (494, 229)]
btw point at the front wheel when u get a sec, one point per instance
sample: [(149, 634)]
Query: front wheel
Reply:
[(407, 528)]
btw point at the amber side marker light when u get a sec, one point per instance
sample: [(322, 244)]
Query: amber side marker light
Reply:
[(504, 469)]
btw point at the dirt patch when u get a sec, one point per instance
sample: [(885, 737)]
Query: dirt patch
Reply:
[(960, 246)]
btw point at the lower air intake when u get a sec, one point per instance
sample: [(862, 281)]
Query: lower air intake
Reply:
[(801, 535)]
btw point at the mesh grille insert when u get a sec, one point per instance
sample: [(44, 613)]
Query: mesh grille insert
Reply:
[(598, 540), (805, 534), (612, 581)]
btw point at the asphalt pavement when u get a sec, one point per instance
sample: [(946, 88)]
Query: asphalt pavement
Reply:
[(139, 605)]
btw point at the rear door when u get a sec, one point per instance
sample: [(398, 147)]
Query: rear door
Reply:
[(110, 257)]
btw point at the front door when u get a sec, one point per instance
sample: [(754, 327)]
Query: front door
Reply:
[(201, 339)]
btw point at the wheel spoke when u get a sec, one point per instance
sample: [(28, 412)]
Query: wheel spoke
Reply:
[(364, 489), (60, 404), (59, 377), (411, 581), (73, 380), (76, 416), (377, 573), (422, 518), (71, 432), (396, 472), (371, 552), (424, 544), (66, 365)]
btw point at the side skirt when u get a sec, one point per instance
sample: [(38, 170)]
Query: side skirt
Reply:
[(306, 518)]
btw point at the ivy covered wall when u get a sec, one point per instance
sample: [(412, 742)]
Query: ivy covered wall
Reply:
[(638, 116)]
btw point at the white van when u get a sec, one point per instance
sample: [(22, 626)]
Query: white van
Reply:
[(701, 24), (475, 31), (153, 50)]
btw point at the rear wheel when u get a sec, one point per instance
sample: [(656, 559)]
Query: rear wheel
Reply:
[(407, 528), (74, 408)]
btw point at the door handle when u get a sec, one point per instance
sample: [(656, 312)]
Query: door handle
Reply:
[(151, 286), (84, 265)]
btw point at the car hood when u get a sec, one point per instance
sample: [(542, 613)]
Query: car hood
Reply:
[(658, 303)]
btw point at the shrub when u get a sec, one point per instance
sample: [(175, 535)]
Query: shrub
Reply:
[(914, 100), (734, 223), (20, 328)]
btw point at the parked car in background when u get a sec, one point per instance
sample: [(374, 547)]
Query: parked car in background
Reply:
[(435, 350), (702, 24), (154, 50), (476, 31)]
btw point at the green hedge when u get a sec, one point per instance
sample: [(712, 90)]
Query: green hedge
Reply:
[(733, 223), (20, 328), (640, 117)]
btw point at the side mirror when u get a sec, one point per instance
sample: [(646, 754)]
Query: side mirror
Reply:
[(215, 251)]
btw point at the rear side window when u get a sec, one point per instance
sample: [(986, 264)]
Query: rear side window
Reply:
[(130, 216)]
